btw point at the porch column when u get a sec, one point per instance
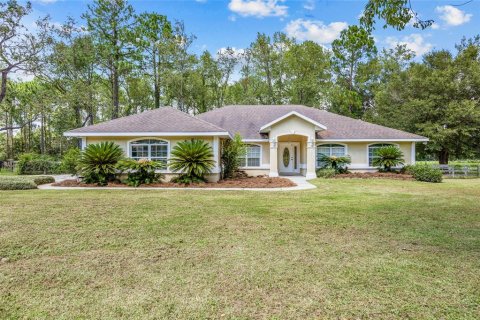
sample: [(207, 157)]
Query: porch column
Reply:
[(311, 174), (273, 158), (216, 154)]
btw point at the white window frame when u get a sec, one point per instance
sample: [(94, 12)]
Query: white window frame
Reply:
[(380, 142), (246, 157), (329, 144), (129, 148)]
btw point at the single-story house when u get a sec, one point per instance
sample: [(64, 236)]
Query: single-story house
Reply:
[(281, 139)]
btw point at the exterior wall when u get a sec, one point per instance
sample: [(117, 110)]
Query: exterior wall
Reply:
[(292, 126), (123, 142), (358, 152)]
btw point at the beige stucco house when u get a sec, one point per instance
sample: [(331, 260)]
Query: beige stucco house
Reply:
[(281, 139)]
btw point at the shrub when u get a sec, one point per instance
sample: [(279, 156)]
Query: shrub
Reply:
[(38, 180), (98, 162), (339, 164), (388, 157), (70, 161), (326, 173), (408, 169), (427, 173), (231, 151), (23, 182), (32, 163), (193, 159), (141, 171)]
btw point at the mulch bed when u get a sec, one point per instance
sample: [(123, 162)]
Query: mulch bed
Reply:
[(374, 175), (249, 182)]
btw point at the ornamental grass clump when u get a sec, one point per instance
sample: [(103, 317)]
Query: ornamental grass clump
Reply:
[(98, 162), (142, 171), (193, 159)]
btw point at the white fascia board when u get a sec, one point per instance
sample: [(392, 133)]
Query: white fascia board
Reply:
[(146, 134), (373, 140), (255, 140), (266, 127)]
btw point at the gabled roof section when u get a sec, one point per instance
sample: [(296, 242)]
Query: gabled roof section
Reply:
[(162, 121), (248, 119), (268, 126)]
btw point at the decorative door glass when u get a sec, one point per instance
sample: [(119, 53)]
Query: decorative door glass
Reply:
[(286, 157)]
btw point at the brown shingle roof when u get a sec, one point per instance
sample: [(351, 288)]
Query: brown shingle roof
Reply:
[(247, 120), (165, 119)]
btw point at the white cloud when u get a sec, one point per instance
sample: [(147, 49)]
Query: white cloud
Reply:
[(414, 42), (201, 1), (315, 30), (237, 52), (309, 5), (435, 26), (258, 8), (232, 17), (453, 16)]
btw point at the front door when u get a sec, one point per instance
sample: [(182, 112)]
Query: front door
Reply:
[(289, 157)]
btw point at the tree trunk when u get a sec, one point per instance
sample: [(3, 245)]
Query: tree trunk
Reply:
[(156, 80), (115, 91), (443, 156)]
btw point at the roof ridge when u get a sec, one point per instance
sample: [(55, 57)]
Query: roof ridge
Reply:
[(201, 120)]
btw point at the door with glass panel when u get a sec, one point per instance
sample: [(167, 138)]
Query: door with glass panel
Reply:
[(289, 157)]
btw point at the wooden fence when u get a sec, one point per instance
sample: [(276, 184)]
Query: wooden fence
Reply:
[(460, 171)]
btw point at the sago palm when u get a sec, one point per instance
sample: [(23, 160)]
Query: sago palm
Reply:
[(334, 162), (98, 162), (193, 159), (388, 157)]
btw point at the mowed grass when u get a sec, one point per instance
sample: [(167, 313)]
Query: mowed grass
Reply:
[(351, 249)]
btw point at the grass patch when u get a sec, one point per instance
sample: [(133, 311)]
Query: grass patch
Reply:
[(352, 248), (15, 182)]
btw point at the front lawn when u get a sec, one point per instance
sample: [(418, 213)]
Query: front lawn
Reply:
[(352, 248)]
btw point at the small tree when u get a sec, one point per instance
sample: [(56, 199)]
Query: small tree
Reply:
[(193, 159), (388, 157), (231, 151)]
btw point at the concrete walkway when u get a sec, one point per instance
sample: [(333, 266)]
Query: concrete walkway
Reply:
[(300, 181)]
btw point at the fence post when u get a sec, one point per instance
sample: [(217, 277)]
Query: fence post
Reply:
[(478, 170)]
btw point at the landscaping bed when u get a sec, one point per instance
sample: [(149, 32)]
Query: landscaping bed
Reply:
[(15, 182), (374, 175), (243, 182)]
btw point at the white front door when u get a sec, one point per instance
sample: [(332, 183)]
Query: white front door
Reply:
[(289, 157)]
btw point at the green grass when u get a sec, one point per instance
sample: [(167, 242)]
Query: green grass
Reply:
[(352, 249)]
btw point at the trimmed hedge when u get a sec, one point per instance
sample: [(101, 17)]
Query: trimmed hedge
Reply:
[(32, 163), (326, 173), (426, 173), (23, 182)]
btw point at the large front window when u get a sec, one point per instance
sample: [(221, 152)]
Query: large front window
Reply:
[(156, 150), (252, 156), (372, 152), (329, 150)]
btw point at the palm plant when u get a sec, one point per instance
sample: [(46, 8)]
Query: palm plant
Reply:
[(98, 162), (334, 162), (193, 159), (388, 157)]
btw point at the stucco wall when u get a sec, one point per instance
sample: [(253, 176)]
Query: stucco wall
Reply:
[(358, 152), (173, 141)]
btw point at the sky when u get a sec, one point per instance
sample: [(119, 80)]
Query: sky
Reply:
[(234, 23)]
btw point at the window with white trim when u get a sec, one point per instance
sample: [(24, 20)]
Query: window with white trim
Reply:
[(329, 150), (152, 149), (372, 151), (252, 156)]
